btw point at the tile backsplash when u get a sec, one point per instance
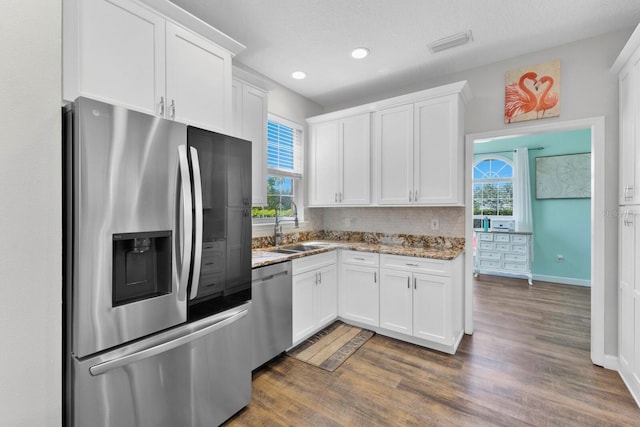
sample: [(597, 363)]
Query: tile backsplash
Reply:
[(397, 220)]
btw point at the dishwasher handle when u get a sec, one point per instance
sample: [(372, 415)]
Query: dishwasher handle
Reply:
[(163, 346), (272, 276)]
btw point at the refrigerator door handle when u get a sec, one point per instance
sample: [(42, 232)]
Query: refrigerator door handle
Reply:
[(187, 224), (197, 253), (162, 346)]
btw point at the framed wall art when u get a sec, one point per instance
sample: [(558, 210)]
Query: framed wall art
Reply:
[(532, 93), (563, 177)]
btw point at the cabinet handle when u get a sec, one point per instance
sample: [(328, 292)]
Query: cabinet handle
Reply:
[(359, 259), (173, 109), (341, 198), (410, 192), (408, 282), (628, 189), (161, 113), (415, 283), (415, 195), (375, 277), (411, 265), (336, 197)]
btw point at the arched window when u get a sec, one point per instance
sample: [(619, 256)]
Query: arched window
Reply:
[(492, 187)]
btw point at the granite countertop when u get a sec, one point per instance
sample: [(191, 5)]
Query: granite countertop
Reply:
[(266, 256)]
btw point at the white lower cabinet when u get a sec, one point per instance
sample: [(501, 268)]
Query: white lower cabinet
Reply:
[(422, 299), (359, 290), (315, 294)]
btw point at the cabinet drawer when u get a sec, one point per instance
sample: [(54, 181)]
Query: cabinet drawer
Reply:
[(360, 258), (515, 257), (490, 255), (212, 264), (420, 265), (515, 266), (211, 283), (502, 246), (519, 248), (485, 237), (489, 263), (311, 262), (501, 238), (518, 239), (486, 245)]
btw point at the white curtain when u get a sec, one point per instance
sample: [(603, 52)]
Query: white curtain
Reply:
[(522, 191)]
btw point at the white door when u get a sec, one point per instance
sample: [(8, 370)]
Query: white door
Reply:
[(394, 129), (198, 81), (359, 294), (395, 301), (430, 307), (324, 163), (355, 149), (303, 304), (120, 54), (438, 161), (326, 295)]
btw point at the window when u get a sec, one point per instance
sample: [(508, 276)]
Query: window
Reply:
[(284, 171), (492, 188)]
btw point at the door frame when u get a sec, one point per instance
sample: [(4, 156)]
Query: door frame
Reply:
[(597, 127)]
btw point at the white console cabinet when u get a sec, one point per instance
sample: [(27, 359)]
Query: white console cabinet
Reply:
[(503, 253)]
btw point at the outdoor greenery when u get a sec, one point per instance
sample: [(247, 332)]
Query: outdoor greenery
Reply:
[(493, 199), (278, 195)]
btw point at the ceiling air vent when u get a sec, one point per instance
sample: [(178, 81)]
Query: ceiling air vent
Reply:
[(451, 41)]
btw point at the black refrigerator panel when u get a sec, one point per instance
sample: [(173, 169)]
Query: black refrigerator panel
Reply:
[(223, 278)]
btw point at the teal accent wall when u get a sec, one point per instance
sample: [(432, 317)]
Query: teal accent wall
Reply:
[(560, 226)]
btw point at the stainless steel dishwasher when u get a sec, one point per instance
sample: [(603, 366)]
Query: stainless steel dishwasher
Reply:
[(271, 315)]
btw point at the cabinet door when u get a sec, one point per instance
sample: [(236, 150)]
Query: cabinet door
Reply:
[(304, 285), (198, 81), (395, 301), (114, 52), (326, 295), (355, 150), (324, 164), (438, 152), (254, 128), (394, 129), (359, 294), (626, 283), (431, 302), (627, 143)]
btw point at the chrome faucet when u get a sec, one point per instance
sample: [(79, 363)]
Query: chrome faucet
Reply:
[(277, 229)]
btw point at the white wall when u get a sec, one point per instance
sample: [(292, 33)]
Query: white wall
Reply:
[(30, 213), (588, 89)]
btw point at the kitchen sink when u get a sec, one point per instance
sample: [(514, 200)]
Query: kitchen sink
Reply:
[(296, 249)]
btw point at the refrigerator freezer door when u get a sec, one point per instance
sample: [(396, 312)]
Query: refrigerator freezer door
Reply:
[(193, 375), (126, 179)]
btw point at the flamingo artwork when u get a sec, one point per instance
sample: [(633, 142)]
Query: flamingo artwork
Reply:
[(546, 100), (519, 99)]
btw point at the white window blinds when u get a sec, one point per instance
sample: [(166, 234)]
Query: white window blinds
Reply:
[(284, 148)]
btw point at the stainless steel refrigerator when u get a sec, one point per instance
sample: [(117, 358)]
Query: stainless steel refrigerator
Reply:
[(157, 270)]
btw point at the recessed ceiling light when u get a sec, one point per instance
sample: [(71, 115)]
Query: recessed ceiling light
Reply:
[(298, 75), (360, 52), (451, 41)]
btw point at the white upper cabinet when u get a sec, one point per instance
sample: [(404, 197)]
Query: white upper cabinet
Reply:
[(198, 80), (420, 153), (124, 52), (402, 151), (250, 108), (339, 162), (114, 51), (394, 130)]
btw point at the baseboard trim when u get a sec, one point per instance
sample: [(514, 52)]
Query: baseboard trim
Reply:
[(562, 280)]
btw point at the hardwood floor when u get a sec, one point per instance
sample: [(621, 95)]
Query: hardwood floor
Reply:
[(527, 363)]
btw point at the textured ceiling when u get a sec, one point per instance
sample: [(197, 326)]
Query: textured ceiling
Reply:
[(317, 36)]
